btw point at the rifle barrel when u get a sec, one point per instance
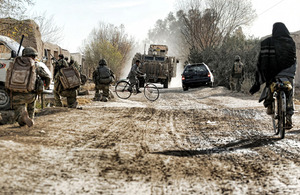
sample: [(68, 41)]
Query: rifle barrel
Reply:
[(20, 45)]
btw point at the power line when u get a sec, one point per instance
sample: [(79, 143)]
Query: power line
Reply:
[(271, 7)]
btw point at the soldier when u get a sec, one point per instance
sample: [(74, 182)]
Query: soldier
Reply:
[(237, 74), (58, 91), (71, 63), (24, 103), (132, 76), (102, 78), (67, 59)]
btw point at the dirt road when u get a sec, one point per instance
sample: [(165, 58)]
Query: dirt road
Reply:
[(203, 141)]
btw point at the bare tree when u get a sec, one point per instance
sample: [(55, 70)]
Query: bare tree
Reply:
[(49, 30), (208, 22), (14, 8), (109, 42)]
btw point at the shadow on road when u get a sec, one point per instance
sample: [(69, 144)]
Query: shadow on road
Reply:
[(294, 132), (230, 147)]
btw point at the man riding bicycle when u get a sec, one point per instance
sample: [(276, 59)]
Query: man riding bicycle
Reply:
[(277, 59), (132, 76)]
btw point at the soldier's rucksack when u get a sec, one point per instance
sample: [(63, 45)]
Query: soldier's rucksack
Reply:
[(238, 68), (69, 77), (102, 75), (21, 75)]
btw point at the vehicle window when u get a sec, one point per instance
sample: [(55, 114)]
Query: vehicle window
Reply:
[(161, 59), (149, 58), (5, 52), (195, 69)]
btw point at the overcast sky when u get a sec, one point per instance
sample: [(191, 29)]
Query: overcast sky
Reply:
[(79, 17)]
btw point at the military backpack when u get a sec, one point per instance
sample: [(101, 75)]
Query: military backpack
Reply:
[(69, 77), (102, 75), (238, 68), (21, 75)]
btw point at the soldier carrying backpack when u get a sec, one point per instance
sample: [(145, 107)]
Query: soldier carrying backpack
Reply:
[(25, 79), (237, 75), (66, 81), (102, 78)]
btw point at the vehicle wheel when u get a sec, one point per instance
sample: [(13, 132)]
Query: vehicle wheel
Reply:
[(151, 92), (4, 99), (281, 114), (122, 91), (166, 83), (185, 88)]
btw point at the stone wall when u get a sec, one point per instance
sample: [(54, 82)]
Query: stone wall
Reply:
[(16, 28), (32, 38), (54, 50)]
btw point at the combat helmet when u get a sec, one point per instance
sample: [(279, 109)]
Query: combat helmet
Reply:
[(237, 58), (103, 62), (29, 51)]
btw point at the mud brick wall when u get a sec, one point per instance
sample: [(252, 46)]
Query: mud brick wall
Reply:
[(16, 28)]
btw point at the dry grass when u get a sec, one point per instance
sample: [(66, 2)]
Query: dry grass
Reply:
[(83, 101), (88, 86)]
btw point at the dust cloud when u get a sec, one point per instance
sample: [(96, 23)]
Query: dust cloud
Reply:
[(176, 81)]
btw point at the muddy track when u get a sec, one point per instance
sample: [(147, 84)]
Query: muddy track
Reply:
[(204, 141)]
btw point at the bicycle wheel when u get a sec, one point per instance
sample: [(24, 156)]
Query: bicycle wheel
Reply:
[(281, 113), (122, 91), (151, 92), (275, 116)]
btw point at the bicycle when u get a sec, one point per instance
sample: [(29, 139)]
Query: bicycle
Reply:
[(124, 90), (279, 88)]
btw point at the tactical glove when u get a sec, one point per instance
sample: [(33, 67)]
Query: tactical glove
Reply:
[(255, 88)]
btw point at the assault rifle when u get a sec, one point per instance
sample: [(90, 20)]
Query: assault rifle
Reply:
[(53, 58), (20, 45)]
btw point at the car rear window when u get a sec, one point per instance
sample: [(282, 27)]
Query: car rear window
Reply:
[(196, 68)]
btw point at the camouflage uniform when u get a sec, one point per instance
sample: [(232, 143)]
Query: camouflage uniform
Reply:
[(100, 83), (58, 91), (105, 90), (237, 75), (26, 101)]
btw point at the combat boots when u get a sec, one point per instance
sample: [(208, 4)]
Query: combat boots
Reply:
[(25, 120), (103, 99), (96, 99), (73, 105)]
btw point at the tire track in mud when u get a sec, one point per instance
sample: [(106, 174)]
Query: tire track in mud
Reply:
[(175, 146), (117, 127)]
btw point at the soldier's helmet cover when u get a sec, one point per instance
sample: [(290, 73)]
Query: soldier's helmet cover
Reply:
[(61, 55), (29, 51), (102, 62)]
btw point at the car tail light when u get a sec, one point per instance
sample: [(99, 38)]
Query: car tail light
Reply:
[(183, 78)]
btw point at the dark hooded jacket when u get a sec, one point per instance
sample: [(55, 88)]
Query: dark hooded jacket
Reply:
[(277, 54)]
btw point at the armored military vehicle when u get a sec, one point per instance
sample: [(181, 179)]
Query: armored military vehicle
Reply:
[(159, 67)]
